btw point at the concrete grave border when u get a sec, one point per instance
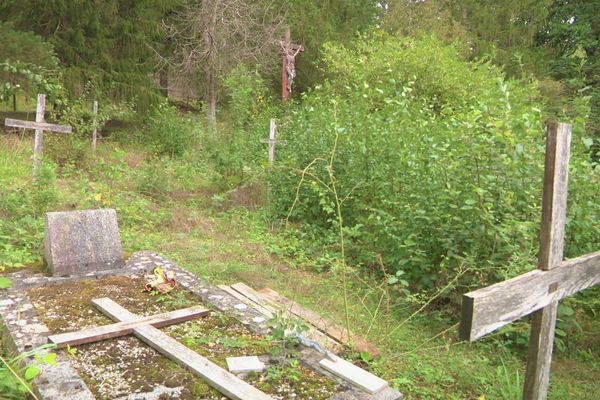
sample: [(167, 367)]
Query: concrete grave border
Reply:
[(24, 331)]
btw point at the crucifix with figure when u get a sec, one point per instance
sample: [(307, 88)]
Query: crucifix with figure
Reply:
[(146, 329), (290, 51), (537, 292), (40, 126)]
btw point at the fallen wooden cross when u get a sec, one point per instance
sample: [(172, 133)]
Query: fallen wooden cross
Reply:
[(40, 126), (145, 329), (270, 309), (268, 301), (539, 291), (332, 329)]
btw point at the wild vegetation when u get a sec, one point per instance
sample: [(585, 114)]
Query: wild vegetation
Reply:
[(412, 171)]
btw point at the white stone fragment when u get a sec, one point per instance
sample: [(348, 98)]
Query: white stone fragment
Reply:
[(240, 306), (238, 365), (258, 320)]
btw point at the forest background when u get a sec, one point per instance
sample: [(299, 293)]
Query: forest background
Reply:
[(412, 171)]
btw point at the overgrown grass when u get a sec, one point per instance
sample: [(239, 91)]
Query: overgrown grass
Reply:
[(178, 207)]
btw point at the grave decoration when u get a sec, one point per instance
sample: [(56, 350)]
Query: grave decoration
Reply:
[(109, 344), (537, 292)]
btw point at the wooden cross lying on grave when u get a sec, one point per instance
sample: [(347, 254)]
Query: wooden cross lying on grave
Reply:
[(539, 291), (145, 328), (273, 141), (40, 126)]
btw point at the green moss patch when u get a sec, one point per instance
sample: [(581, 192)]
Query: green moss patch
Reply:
[(122, 366)]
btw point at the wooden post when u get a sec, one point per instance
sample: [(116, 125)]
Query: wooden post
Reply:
[(39, 135), (272, 139), (537, 292), (552, 235), (284, 77), (94, 124)]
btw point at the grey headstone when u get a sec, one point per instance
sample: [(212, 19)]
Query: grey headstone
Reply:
[(79, 242)]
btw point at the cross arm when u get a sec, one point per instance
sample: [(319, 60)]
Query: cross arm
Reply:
[(16, 123), (490, 308), (125, 328)]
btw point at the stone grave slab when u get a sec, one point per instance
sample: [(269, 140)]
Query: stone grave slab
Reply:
[(78, 242), (29, 319)]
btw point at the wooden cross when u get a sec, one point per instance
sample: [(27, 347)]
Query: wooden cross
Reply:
[(145, 328), (538, 291), (272, 141), (40, 126), (288, 73), (94, 125)]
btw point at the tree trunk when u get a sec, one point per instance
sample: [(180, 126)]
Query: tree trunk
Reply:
[(14, 102)]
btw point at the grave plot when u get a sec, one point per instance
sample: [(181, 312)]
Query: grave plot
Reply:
[(102, 307), (122, 366)]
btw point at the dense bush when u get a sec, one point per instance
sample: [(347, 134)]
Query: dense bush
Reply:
[(168, 133), (438, 163)]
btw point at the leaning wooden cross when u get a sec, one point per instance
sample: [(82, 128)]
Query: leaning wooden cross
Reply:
[(145, 328), (40, 126), (538, 291)]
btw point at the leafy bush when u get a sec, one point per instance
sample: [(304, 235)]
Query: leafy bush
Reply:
[(438, 163), (169, 133)]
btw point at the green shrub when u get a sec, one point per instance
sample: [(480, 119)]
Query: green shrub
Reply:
[(168, 133), (438, 163)]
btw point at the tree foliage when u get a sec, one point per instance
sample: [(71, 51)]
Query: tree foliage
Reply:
[(438, 162), (103, 46), (212, 37)]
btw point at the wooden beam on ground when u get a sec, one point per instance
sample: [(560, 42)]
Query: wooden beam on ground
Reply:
[(15, 123), (332, 329), (256, 300), (126, 328), (266, 310), (490, 308), (217, 377), (353, 374)]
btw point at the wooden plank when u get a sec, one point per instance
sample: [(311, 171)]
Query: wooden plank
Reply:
[(39, 135), (44, 126), (490, 308), (272, 140), (332, 329), (125, 328), (353, 374), (225, 382), (254, 297), (552, 237), (95, 124), (251, 295), (264, 310), (273, 308), (554, 201)]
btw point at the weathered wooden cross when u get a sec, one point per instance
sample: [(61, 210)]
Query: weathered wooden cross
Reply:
[(40, 126), (145, 328), (538, 291), (272, 141)]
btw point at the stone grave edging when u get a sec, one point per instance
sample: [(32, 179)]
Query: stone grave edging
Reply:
[(24, 331)]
